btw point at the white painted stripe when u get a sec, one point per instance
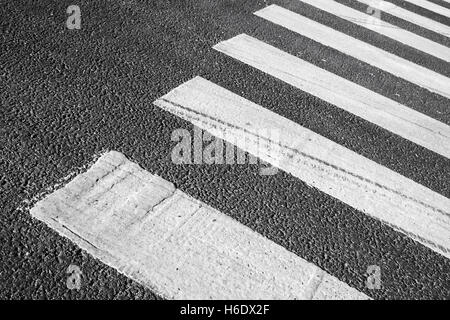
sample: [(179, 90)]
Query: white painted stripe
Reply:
[(364, 103), (179, 247), (363, 51), (431, 6), (373, 23), (381, 193), (406, 15)]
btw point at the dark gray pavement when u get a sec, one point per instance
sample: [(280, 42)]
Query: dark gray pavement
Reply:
[(68, 95)]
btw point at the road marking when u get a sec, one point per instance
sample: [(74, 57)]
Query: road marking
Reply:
[(363, 51), (179, 247), (431, 6), (372, 23), (401, 203), (406, 15), (364, 103)]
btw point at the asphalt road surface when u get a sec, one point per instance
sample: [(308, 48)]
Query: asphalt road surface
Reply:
[(68, 96)]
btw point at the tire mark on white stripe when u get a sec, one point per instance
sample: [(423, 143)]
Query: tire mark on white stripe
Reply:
[(269, 141), (372, 23), (358, 49), (177, 246), (384, 112), (403, 204)]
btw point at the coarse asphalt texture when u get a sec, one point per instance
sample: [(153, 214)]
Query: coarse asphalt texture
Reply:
[(69, 95)]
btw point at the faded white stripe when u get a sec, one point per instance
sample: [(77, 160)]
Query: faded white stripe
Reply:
[(177, 246), (363, 51), (373, 107), (406, 15), (363, 184), (373, 23)]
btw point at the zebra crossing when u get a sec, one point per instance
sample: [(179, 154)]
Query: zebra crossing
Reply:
[(340, 92), (430, 6), (182, 248), (409, 16), (321, 163), (382, 27), (178, 246), (358, 49)]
